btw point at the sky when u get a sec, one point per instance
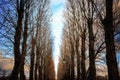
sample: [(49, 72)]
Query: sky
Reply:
[(57, 7)]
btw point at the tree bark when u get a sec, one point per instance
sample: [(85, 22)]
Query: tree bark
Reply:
[(113, 73), (22, 74), (38, 53), (92, 68), (83, 67), (36, 76), (32, 60), (78, 59), (41, 76), (24, 47), (72, 65), (17, 37), (37, 64)]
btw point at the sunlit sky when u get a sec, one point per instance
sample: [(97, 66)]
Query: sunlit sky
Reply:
[(57, 7)]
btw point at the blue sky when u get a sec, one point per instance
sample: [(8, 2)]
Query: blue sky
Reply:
[(57, 7)]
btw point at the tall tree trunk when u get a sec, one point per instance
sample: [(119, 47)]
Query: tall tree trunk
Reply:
[(92, 68), (41, 67), (83, 67), (22, 74), (113, 73), (37, 70), (72, 65), (69, 71), (38, 53), (40, 73), (32, 60), (17, 37), (24, 47), (78, 59)]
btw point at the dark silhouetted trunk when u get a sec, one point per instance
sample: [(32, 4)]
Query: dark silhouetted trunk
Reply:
[(32, 60), (41, 76), (83, 67), (17, 37), (22, 74), (38, 54), (113, 73), (92, 68), (36, 72), (37, 64), (72, 65), (24, 47), (78, 59)]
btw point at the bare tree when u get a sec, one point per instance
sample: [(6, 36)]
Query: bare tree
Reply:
[(32, 59), (17, 37), (88, 14), (113, 73), (24, 44), (43, 41)]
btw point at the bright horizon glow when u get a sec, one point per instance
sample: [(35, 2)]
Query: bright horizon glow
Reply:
[(57, 26)]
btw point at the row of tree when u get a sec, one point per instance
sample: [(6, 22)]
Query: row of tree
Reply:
[(25, 32), (89, 38)]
